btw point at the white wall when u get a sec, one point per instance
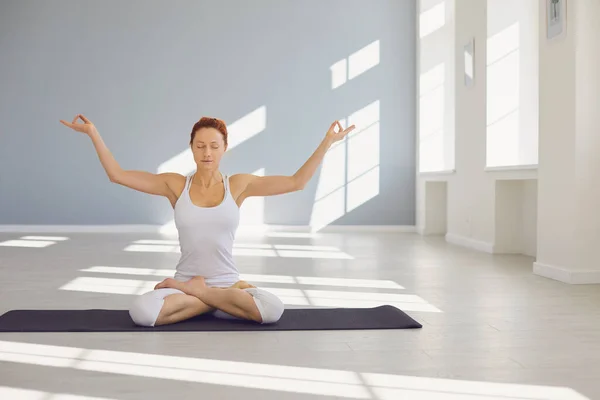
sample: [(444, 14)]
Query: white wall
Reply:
[(569, 173), (529, 215), (557, 147), (548, 211), (587, 83), (436, 208), (508, 215), (471, 190), (471, 194), (154, 70), (515, 218)]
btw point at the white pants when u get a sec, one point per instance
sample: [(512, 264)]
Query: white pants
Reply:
[(145, 308)]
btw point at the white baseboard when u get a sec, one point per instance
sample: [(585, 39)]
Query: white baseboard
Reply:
[(80, 228), (368, 228), (469, 243), (158, 228), (566, 275), (329, 228), (424, 232)]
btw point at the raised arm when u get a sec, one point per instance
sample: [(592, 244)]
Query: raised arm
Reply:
[(253, 185), (157, 184)]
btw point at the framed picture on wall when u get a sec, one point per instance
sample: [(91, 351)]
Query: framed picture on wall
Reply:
[(556, 18)]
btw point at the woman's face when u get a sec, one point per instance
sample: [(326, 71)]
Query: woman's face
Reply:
[(208, 147)]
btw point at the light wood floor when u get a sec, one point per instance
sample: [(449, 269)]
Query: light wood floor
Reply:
[(491, 329)]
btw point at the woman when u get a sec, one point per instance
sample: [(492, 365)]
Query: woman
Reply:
[(206, 207)]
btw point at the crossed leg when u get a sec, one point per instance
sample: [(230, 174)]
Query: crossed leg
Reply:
[(174, 301), (179, 307), (199, 297)]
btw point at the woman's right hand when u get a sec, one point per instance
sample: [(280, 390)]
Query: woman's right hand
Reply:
[(87, 127)]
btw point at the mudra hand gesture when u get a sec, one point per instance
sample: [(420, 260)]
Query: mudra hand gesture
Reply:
[(340, 134), (87, 127)]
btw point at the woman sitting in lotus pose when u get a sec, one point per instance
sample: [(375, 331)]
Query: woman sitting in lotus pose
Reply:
[(206, 206)]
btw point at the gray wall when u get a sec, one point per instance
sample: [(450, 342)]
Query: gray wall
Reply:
[(145, 71)]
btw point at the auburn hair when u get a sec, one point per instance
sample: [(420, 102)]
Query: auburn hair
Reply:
[(208, 122)]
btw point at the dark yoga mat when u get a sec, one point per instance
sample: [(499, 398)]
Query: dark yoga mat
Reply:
[(383, 317)]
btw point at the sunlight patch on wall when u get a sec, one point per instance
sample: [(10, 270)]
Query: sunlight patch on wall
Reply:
[(355, 65), (363, 60), (239, 131), (349, 175), (432, 19), (252, 212)]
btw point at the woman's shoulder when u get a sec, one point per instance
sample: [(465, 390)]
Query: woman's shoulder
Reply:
[(176, 182), (240, 180), (238, 183), (240, 177)]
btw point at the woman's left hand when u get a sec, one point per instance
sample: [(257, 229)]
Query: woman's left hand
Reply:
[(340, 134)]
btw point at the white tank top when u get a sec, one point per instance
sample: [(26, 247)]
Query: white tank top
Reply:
[(206, 236)]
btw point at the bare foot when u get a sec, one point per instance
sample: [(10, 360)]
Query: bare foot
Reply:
[(193, 286), (198, 281), (167, 283), (242, 285)]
